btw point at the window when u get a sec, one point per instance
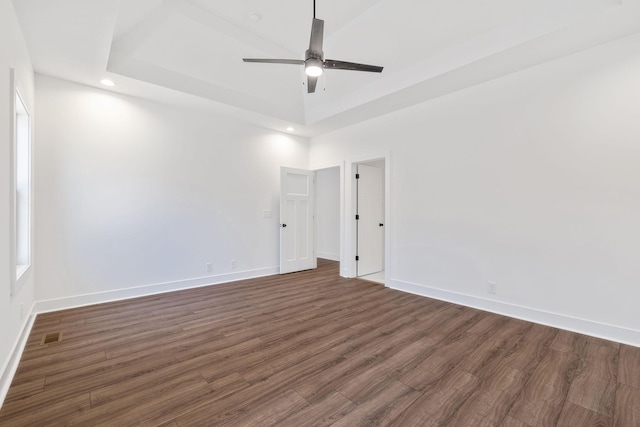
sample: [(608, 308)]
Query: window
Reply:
[(22, 185)]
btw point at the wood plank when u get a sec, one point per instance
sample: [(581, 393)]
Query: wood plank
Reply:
[(51, 412), (321, 384), (367, 383), (627, 411), (270, 411), (575, 415), (512, 422), (491, 400), (161, 409), (496, 344), (594, 386), (439, 363), (137, 387), (566, 341), (544, 394), (28, 372), (629, 362), (381, 408), (439, 402), (534, 346), (325, 412), (216, 410), (25, 389), (141, 403)]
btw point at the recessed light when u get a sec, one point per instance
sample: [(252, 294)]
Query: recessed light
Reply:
[(107, 82), (290, 129)]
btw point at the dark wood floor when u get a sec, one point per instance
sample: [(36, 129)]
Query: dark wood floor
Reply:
[(311, 348)]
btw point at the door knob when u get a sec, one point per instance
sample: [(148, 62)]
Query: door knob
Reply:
[(381, 225), (283, 225)]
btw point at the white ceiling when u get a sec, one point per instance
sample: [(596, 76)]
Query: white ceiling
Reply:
[(189, 52)]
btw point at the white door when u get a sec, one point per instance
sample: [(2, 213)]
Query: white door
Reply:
[(296, 220), (370, 222)]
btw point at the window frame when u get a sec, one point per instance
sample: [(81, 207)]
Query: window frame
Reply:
[(21, 208)]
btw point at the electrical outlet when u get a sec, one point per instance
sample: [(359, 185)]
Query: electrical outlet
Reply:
[(209, 267), (492, 287), (266, 214), (234, 264)]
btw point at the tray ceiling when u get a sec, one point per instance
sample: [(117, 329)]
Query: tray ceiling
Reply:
[(189, 52)]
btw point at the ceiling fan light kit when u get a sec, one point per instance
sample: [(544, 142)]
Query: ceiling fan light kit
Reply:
[(313, 67), (314, 62)]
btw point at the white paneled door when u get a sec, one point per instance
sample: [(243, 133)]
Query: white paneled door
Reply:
[(370, 223), (297, 228)]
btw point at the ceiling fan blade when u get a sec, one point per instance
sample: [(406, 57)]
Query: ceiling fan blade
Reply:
[(275, 61), (311, 84), (317, 33), (332, 64)]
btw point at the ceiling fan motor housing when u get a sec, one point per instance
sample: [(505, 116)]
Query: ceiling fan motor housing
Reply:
[(314, 62), (312, 54)]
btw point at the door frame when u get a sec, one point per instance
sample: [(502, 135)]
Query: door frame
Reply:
[(350, 247)]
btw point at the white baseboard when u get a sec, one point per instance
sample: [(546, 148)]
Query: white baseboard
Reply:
[(327, 255), (561, 321), (153, 289), (11, 366)]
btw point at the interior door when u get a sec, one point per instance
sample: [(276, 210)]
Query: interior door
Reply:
[(297, 228), (370, 223)]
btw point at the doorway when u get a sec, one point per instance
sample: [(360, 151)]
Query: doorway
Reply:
[(328, 209), (348, 236), (370, 220)]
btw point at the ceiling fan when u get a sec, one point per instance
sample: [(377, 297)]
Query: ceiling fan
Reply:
[(314, 62)]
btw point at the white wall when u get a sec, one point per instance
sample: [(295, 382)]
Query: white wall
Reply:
[(328, 213), (133, 193), (13, 54), (530, 181)]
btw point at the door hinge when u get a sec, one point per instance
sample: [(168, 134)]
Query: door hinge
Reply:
[(357, 258), (357, 217), (357, 176)]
